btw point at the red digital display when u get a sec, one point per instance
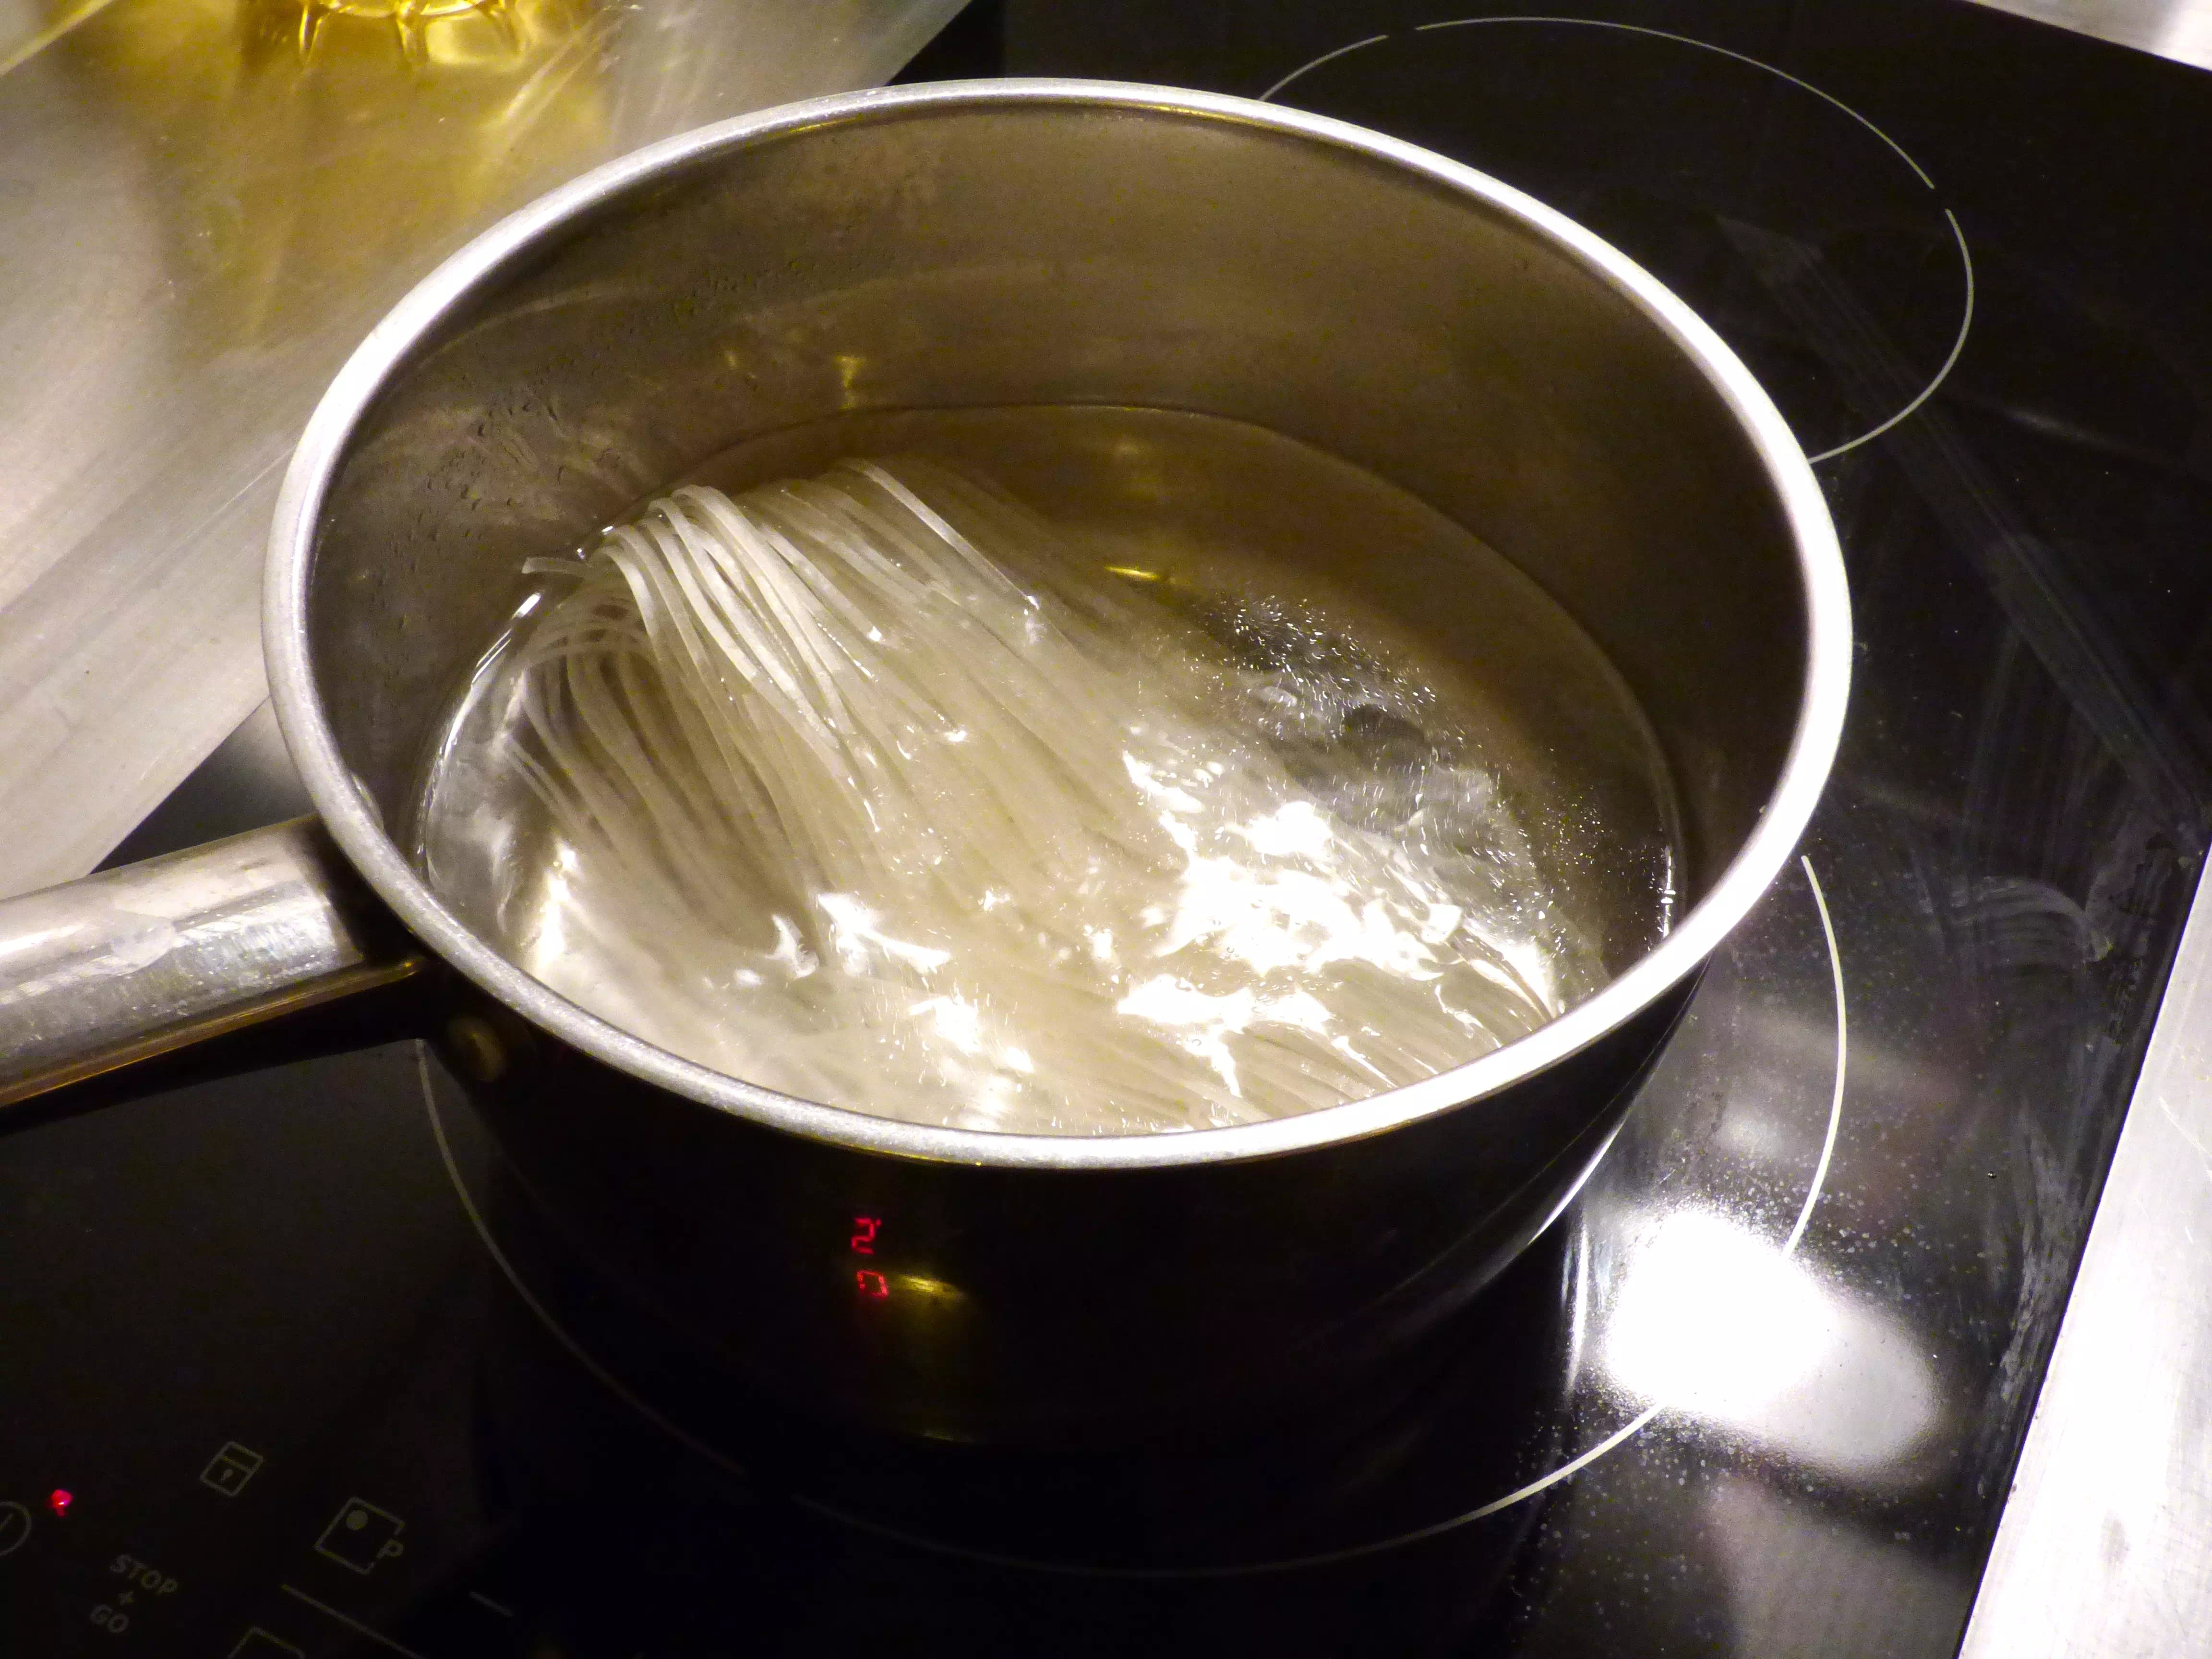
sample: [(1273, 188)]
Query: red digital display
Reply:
[(865, 1230), (59, 1500)]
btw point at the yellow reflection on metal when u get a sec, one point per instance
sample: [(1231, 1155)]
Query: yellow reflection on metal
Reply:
[(60, 20), (848, 371), (424, 31), (1132, 573), (937, 1289), (334, 141)]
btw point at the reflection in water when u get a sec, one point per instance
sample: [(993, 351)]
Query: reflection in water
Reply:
[(1715, 1321)]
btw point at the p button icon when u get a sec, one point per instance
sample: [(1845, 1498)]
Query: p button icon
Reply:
[(360, 1534)]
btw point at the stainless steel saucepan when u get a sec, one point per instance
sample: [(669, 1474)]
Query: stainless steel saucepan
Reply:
[(979, 245)]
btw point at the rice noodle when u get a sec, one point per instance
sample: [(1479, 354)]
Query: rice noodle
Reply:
[(885, 796)]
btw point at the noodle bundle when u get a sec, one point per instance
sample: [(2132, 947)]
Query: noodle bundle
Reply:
[(881, 795)]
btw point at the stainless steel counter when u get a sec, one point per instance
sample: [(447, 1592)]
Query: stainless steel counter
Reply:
[(204, 205), (2106, 1548), (2180, 29)]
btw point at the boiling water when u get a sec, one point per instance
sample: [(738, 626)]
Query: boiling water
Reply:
[(1347, 801)]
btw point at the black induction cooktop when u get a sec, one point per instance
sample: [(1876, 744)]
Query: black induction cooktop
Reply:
[(286, 1367)]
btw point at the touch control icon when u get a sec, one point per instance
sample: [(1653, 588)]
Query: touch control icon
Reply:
[(258, 1644), (229, 1469), (359, 1535), (15, 1527)]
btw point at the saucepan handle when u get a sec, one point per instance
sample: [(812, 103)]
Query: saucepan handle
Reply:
[(133, 962)]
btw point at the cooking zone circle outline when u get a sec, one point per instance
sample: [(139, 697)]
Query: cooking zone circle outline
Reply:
[(1966, 257)]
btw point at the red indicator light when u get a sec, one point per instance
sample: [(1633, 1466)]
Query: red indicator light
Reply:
[(865, 1228), (873, 1284), (58, 1501)]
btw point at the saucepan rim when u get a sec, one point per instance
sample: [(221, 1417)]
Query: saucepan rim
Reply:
[(357, 827)]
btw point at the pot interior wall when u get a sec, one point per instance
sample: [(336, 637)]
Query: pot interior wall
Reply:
[(1003, 255)]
